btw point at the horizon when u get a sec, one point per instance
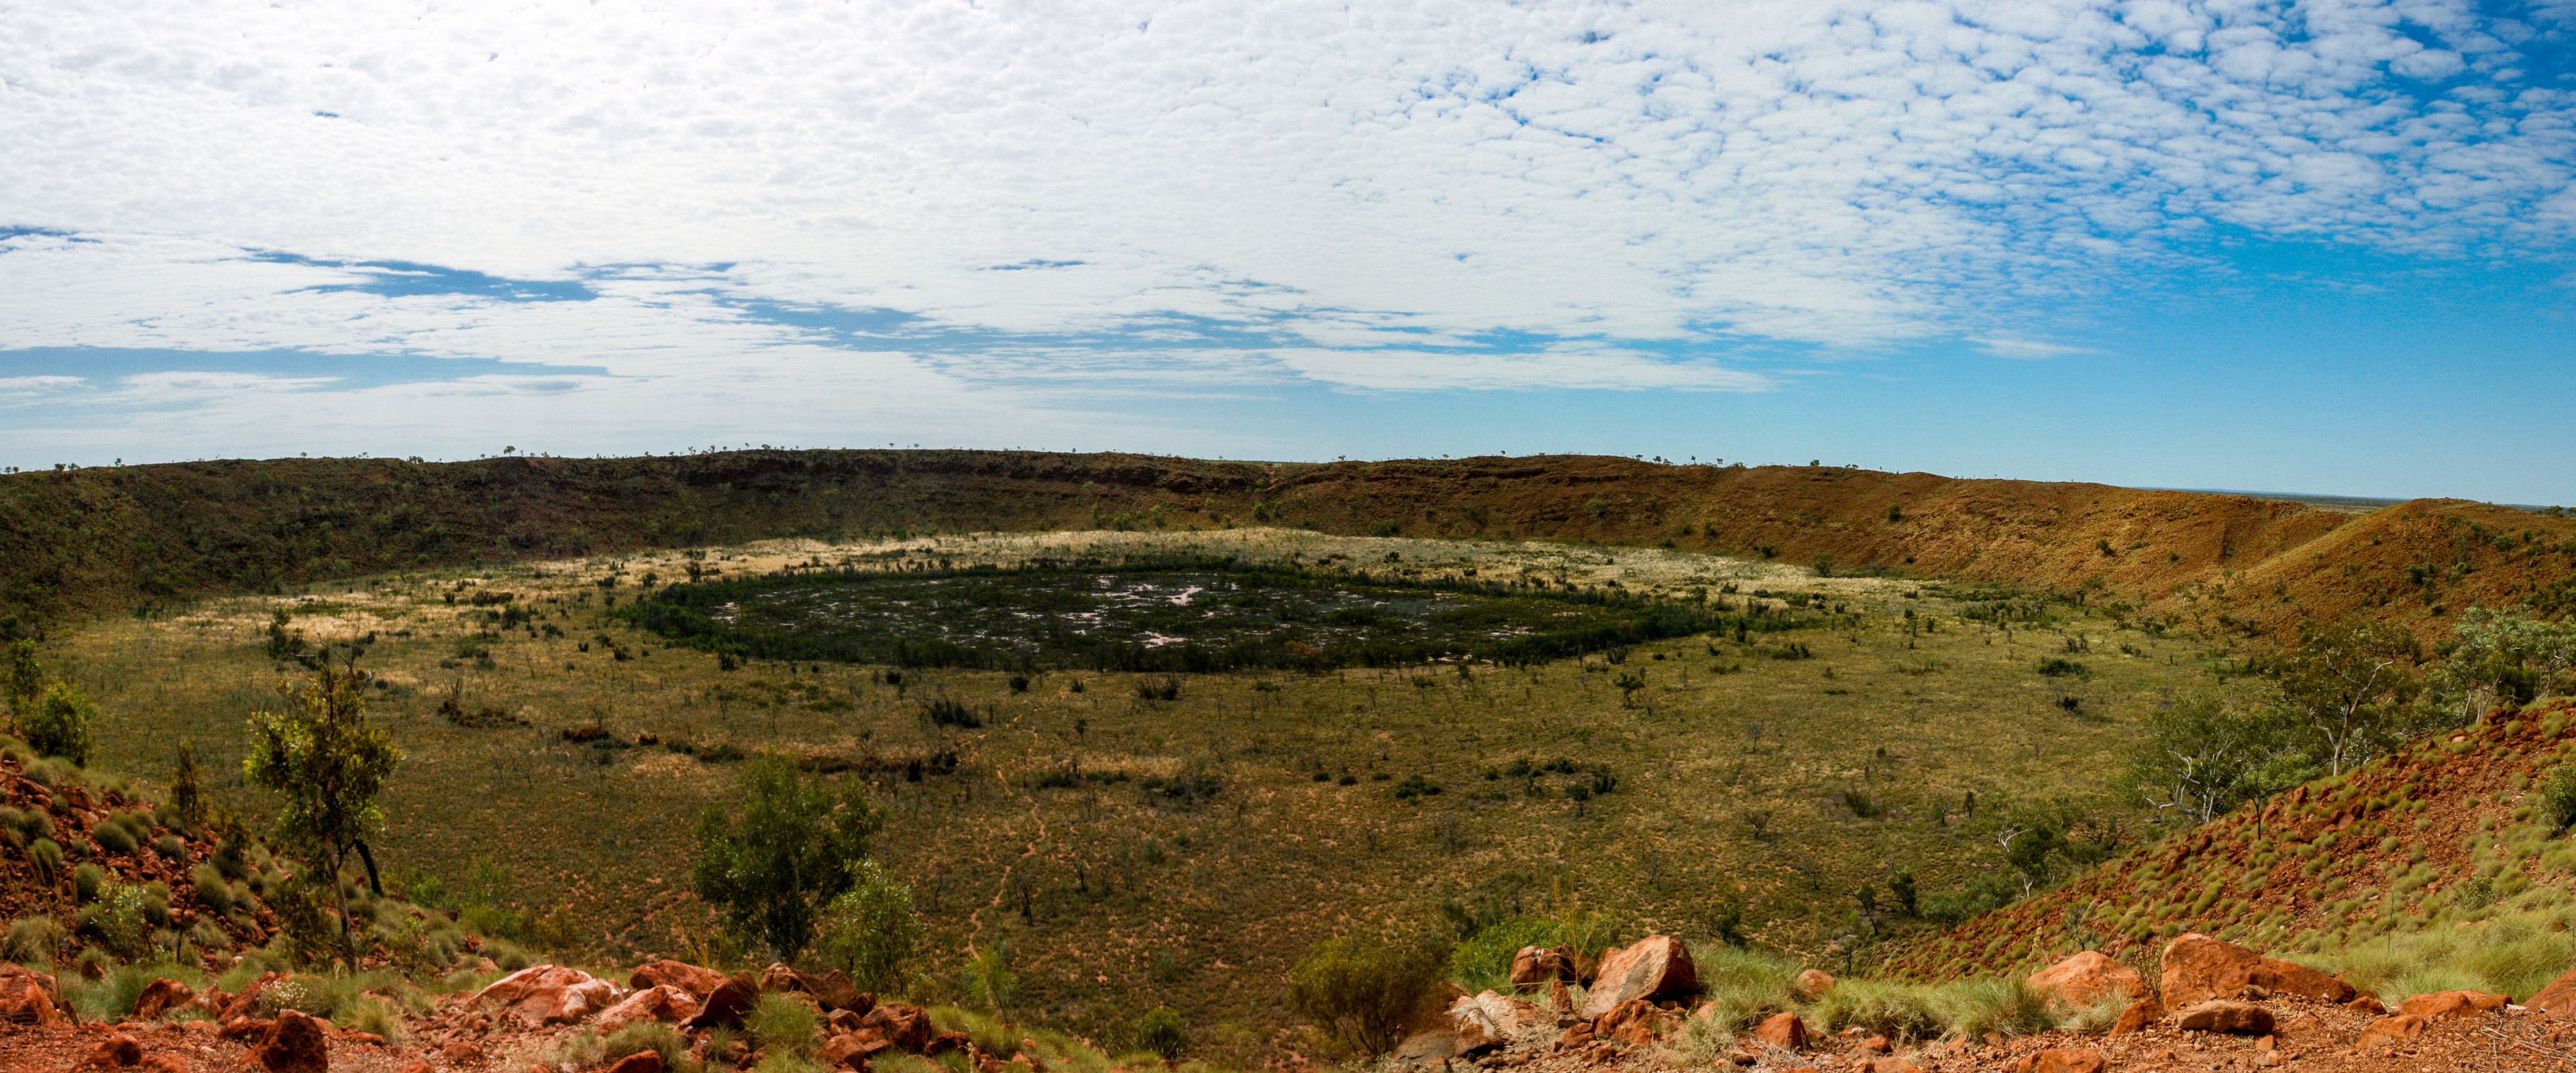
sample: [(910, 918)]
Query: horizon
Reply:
[(2170, 245)]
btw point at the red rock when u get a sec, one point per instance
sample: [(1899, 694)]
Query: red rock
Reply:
[(248, 1030), (953, 1041), (461, 1052), (1877, 1045), (1635, 1022), (160, 997), (2138, 1016), (2062, 1060), (414, 1067), (1535, 965), (363, 1039), (247, 1003), (1783, 1030), (851, 1050), (2198, 968), (299, 1044), (906, 1027), (2224, 1015), (27, 998), (548, 994), (639, 1062), (698, 983), (834, 991), (1491, 1019), (114, 1052), (728, 1004), (778, 977), (1888, 1064), (2442, 1004), (1811, 984), (658, 1003), (2388, 1031), (2366, 1004), (2559, 997), (1658, 966), (1431, 1045), (2086, 978)]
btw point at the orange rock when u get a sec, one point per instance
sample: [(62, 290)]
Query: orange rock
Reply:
[(1783, 1030), (851, 1050), (1635, 1022), (1811, 984), (2087, 977), (727, 1005), (1658, 966), (27, 998), (834, 991), (661, 1002), (2062, 1060), (299, 1044), (114, 1052), (906, 1027), (1877, 1045), (161, 996), (2391, 1030), (778, 977), (1535, 965), (639, 1062), (2198, 968), (2442, 1004), (2138, 1016), (2366, 1004), (548, 994), (246, 1030), (2559, 997), (1488, 1020), (2224, 1015), (698, 983), (1889, 1064)]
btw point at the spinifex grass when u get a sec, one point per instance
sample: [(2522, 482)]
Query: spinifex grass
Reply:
[(1077, 821)]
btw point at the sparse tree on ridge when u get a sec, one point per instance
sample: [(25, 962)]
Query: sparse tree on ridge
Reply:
[(329, 763)]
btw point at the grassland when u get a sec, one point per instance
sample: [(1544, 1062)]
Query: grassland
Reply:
[(1136, 852)]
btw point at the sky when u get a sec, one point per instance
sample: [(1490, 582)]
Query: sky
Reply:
[(2315, 247)]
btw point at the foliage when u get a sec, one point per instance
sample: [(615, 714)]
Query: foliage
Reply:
[(987, 976), (2200, 757), (795, 848), (60, 724), (21, 677), (329, 763), (1361, 986), (780, 1023), (118, 917), (36, 940), (187, 792), (2558, 798), (1163, 1032), (2351, 683), (1483, 960), (869, 931), (2509, 658)]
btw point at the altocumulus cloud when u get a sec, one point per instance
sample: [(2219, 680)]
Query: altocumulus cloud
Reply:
[(1001, 213)]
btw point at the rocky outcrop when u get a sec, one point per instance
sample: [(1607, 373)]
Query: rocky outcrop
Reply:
[(549, 994), (1491, 1019), (1657, 966), (697, 982), (2087, 978), (297, 1044), (658, 1003), (2198, 968)]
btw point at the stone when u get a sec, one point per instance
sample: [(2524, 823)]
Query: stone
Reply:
[(1878, 1045), (2441, 1004), (114, 1052), (1491, 1019), (2224, 1015), (2388, 1031), (2198, 968), (1635, 1023), (1535, 965), (1558, 998), (639, 1062), (160, 997), (2368, 1004), (27, 998), (661, 1002), (246, 1030), (2062, 1060), (2138, 1016), (1428, 1046), (363, 1039), (906, 1027), (1577, 1034), (299, 1044), (2087, 978), (778, 977), (549, 994), (726, 1005), (851, 1050), (1889, 1064), (697, 982), (1783, 1030), (246, 1004), (1811, 984), (834, 991), (2558, 998), (1657, 966), (946, 1042)]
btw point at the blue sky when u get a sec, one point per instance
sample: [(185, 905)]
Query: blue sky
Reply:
[(2288, 246)]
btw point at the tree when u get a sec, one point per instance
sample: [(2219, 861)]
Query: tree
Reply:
[(187, 792), (329, 763), (796, 848), (1362, 987), (59, 724), (2508, 657), (2352, 684), (869, 931), (2199, 757), (22, 677)]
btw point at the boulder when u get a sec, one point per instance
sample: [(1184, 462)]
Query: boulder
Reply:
[(2062, 1060), (1436, 1045), (778, 977), (27, 998), (946, 1042), (2389, 1031), (2441, 1004), (1490, 1020), (160, 997), (2087, 978), (2198, 968), (906, 1027), (697, 982), (1783, 1030), (852, 1050), (246, 1030), (1535, 965), (1635, 1023), (2224, 1015), (1658, 966), (2138, 1016), (2366, 1004), (2559, 997), (549, 994), (114, 1052), (639, 1062), (1811, 984), (661, 1002), (726, 1005), (299, 1044), (834, 991)]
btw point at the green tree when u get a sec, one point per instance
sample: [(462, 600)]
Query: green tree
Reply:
[(2353, 685), (22, 677), (2502, 657), (795, 848), (187, 789), (2199, 758), (321, 754), (869, 931), (1361, 987), (60, 723), (987, 976)]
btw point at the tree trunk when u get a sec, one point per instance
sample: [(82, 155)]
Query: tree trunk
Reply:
[(375, 882), (348, 943)]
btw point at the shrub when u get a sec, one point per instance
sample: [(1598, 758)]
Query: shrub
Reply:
[(113, 836), (654, 1036), (120, 919), (1900, 1012), (2054, 667), (987, 977), (795, 849), (1483, 960), (944, 712), (780, 1023), (87, 881), (36, 940), (47, 857), (59, 724), (1360, 987), (1163, 1033), (869, 931), (2558, 798)]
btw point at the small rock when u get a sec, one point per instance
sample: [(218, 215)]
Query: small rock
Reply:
[(1740, 1058), (2138, 1016), (1490, 1019), (2366, 1004), (726, 1006), (1877, 1045), (161, 996), (2387, 1031), (114, 1052), (1783, 1030), (778, 977), (2224, 1015), (299, 1044), (1889, 1064), (639, 1062), (2085, 978), (27, 998), (661, 1002), (2062, 1060), (695, 981), (2442, 1004), (1811, 984), (906, 1027), (1535, 965), (1655, 967)]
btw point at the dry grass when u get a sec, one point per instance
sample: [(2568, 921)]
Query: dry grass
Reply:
[(1115, 903)]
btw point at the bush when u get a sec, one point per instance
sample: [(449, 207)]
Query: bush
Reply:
[(1900, 1012), (780, 1023), (36, 940), (87, 881), (1483, 961), (869, 931), (1360, 987), (654, 1036), (2558, 798), (2054, 667), (113, 836), (1163, 1032), (59, 724), (120, 919), (795, 849)]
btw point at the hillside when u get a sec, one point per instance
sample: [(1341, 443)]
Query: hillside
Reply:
[(93, 541)]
